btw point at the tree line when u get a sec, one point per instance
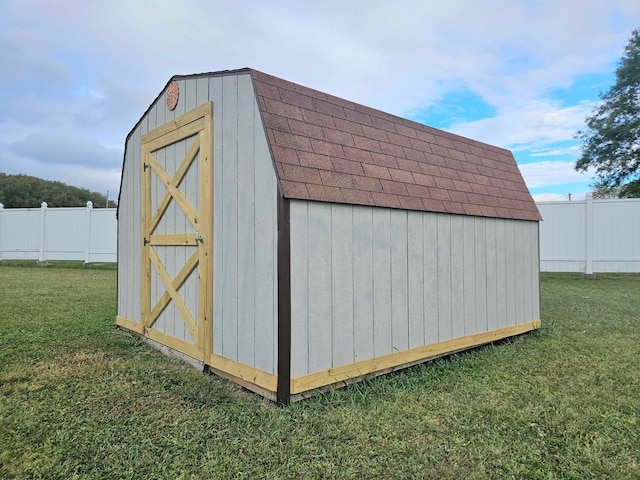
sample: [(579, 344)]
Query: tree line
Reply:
[(24, 191)]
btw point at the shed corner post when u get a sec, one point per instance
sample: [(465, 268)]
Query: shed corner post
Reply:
[(283, 394)]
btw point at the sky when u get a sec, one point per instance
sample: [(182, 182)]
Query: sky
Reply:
[(75, 76)]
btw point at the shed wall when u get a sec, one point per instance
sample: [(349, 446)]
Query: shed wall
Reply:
[(370, 281), (245, 226)]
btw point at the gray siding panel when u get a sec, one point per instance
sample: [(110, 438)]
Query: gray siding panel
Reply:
[(457, 277), (363, 282), (215, 95), (415, 278), (444, 257), (491, 274), (480, 244), (299, 291), (342, 286), (412, 279), (381, 282), (399, 281), (469, 276), (501, 274), (320, 327), (431, 280), (229, 320), (246, 225), (266, 234)]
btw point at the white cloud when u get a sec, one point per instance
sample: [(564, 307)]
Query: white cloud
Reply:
[(527, 125), (545, 174)]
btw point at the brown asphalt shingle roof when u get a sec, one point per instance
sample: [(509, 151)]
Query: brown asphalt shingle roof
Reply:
[(332, 150)]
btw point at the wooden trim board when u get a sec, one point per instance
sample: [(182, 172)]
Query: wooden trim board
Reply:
[(351, 371), (261, 382), (174, 343), (244, 372), (284, 302), (129, 324), (181, 121)]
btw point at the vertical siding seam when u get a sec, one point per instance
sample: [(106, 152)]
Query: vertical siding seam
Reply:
[(437, 295), (451, 309), (353, 288), (390, 279), (331, 278), (373, 303), (255, 228), (424, 281), (237, 232), (306, 220), (406, 214), (486, 277)]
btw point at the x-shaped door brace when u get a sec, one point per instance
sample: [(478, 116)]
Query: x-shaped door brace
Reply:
[(171, 185), (172, 287)]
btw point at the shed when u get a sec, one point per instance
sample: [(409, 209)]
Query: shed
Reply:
[(290, 240)]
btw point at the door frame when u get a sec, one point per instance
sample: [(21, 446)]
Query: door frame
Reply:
[(197, 122)]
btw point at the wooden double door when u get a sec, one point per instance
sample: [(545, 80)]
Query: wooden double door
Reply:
[(177, 233)]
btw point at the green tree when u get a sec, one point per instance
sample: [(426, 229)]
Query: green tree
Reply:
[(612, 135), (23, 191)]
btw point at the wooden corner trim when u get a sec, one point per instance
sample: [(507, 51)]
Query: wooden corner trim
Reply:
[(245, 373), (284, 302), (129, 324), (405, 358)]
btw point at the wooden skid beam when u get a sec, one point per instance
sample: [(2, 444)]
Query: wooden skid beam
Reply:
[(414, 355)]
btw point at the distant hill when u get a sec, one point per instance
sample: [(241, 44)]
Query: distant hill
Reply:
[(23, 191)]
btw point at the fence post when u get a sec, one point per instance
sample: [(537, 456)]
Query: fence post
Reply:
[(588, 271), (87, 252), (43, 208), (1, 209)]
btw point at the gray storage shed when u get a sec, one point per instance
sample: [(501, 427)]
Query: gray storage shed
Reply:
[(291, 240)]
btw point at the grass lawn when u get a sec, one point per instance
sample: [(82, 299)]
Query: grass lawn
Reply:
[(80, 398)]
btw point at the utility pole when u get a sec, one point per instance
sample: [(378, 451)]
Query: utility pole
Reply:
[(569, 197), (107, 205)]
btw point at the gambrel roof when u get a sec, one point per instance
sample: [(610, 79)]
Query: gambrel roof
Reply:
[(328, 149)]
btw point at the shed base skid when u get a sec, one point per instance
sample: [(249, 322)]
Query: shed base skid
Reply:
[(308, 385)]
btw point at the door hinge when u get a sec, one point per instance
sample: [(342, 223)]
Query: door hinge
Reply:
[(146, 242), (146, 165), (199, 238)]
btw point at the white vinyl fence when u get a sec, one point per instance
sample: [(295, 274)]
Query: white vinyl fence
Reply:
[(590, 236), (75, 233)]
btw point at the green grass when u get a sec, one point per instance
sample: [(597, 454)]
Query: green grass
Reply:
[(80, 398)]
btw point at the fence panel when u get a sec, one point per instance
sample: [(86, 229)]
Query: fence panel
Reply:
[(590, 236), (77, 233)]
